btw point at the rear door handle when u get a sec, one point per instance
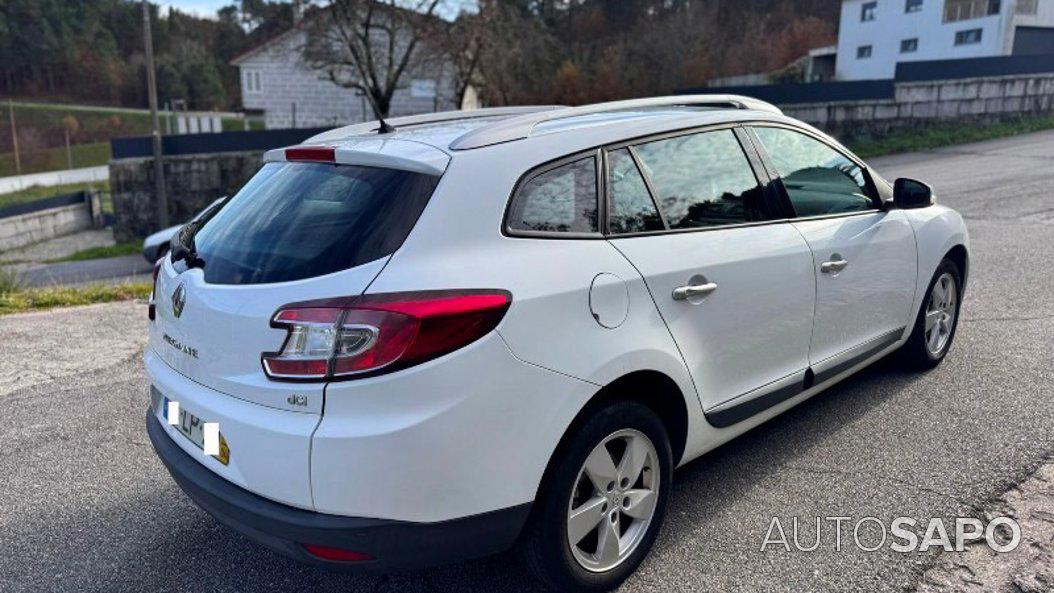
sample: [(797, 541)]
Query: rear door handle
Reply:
[(683, 293), (833, 266)]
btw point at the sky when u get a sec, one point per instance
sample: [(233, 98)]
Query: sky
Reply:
[(204, 8), (208, 8)]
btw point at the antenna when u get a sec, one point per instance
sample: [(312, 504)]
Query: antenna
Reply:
[(385, 127)]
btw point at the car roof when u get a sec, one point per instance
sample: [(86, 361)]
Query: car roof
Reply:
[(427, 142)]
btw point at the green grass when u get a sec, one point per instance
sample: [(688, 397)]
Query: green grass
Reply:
[(132, 248), (18, 300), (36, 192), (948, 134), (42, 138), (54, 159)]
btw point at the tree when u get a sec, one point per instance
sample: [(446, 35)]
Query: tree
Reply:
[(463, 43), (370, 45)]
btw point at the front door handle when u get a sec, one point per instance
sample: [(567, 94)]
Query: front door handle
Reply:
[(683, 293), (835, 265)]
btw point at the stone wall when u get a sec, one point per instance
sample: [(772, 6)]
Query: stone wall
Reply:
[(982, 100), (24, 229), (191, 183)]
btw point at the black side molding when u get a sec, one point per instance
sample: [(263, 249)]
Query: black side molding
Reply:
[(873, 347), (729, 416), (754, 404)]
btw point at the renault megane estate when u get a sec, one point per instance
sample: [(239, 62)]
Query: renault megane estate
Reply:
[(461, 333)]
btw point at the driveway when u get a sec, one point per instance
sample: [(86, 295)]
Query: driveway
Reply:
[(85, 506)]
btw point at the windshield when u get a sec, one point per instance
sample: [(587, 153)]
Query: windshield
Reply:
[(300, 220)]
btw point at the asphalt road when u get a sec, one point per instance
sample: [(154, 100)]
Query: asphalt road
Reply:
[(84, 506), (91, 270)]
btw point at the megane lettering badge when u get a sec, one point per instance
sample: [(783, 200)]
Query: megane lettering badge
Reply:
[(179, 299)]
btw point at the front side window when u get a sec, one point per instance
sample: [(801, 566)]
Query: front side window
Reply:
[(702, 180), (863, 52), (560, 200), (868, 10), (819, 180), (968, 37), (909, 46), (630, 207), (913, 6)]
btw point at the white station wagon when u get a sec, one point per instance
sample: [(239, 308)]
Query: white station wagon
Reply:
[(467, 332)]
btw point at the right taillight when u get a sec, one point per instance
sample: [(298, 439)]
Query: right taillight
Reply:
[(372, 334)]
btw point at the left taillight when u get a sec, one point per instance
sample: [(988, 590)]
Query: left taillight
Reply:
[(151, 309), (345, 338)]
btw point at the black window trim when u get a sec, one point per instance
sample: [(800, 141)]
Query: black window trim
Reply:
[(872, 187), (761, 175), (774, 193), (593, 153)]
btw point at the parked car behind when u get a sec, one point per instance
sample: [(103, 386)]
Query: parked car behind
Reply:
[(156, 245), (507, 327)]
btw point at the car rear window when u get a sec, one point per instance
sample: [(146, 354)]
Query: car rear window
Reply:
[(300, 220)]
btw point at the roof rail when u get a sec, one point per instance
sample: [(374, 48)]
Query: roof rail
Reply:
[(428, 118), (517, 128)]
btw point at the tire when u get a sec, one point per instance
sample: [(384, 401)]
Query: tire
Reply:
[(922, 351), (545, 547)]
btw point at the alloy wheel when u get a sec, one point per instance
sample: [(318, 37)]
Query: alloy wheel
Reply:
[(940, 313), (613, 501)]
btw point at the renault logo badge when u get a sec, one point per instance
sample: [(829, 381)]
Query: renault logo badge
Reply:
[(179, 299)]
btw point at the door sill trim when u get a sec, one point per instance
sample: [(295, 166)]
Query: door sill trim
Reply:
[(754, 402)]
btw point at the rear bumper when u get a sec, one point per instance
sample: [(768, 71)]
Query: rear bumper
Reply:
[(284, 529)]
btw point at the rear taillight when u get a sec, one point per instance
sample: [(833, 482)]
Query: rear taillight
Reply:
[(372, 334), (151, 309)]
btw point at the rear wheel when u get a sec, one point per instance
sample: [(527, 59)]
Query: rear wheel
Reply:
[(603, 501), (937, 320)]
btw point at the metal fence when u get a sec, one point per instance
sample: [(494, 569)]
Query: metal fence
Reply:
[(124, 148), (80, 197), (870, 90)]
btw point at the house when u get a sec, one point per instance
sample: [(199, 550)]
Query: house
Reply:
[(276, 81), (874, 35)]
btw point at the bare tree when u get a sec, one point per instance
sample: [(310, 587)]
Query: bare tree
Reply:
[(463, 43), (370, 45)]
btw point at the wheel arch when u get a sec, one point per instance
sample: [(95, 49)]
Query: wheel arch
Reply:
[(961, 258), (654, 389)]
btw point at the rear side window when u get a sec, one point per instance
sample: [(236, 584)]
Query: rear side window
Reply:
[(560, 200), (300, 220), (630, 207), (702, 180), (819, 180)]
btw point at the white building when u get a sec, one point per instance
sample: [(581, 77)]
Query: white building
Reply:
[(276, 81), (873, 35)]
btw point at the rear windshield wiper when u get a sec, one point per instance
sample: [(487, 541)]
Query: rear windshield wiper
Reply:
[(183, 248)]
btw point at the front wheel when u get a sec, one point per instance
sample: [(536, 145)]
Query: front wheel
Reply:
[(603, 501), (937, 320)]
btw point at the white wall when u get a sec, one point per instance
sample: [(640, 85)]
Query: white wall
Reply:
[(936, 39), (285, 79)]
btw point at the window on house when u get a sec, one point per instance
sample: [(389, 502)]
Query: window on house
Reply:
[(863, 52), (968, 37), (909, 46), (256, 76), (913, 5), (961, 10), (1027, 6), (868, 10)]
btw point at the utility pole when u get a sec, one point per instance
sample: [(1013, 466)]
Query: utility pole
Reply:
[(161, 200), (14, 136)]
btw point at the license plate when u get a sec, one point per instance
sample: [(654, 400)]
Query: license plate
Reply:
[(193, 428)]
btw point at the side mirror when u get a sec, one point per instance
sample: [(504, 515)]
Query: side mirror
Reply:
[(909, 193)]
